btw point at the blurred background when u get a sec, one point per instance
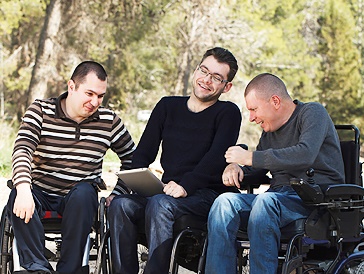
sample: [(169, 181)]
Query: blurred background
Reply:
[(150, 49)]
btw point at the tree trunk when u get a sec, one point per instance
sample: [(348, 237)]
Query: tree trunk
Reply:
[(45, 63)]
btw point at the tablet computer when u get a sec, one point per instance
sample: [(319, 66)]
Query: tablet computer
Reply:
[(141, 181)]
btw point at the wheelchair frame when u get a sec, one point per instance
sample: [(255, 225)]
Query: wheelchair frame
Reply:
[(9, 259), (295, 249)]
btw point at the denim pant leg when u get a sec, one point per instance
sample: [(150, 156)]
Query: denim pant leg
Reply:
[(30, 237), (270, 212), (227, 214), (78, 210), (161, 212), (125, 213)]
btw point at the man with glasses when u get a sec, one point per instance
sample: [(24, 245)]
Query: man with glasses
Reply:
[(195, 132)]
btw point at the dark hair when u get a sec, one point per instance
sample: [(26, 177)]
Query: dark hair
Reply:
[(86, 67), (223, 56)]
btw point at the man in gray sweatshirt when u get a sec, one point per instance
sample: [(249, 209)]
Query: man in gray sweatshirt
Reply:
[(296, 136)]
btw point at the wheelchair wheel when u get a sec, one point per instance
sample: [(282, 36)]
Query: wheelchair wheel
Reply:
[(6, 265), (243, 261), (103, 261), (354, 267), (142, 257)]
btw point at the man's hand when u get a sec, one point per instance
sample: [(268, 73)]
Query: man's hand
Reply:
[(237, 154), (232, 175), (175, 190), (109, 199), (24, 202)]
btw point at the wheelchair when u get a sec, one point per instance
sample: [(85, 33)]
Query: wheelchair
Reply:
[(9, 258), (331, 240), (189, 232)]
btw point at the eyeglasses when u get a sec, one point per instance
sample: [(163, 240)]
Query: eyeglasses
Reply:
[(216, 78)]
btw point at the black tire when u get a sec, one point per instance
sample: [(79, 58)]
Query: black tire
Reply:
[(142, 257), (103, 262), (6, 243), (355, 266)]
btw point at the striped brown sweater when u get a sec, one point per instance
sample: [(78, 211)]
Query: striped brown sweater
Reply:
[(55, 153)]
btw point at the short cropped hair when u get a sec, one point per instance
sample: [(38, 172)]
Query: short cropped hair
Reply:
[(223, 56), (266, 85), (86, 67)]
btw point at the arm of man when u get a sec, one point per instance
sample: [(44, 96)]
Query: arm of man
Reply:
[(123, 145), (25, 145), (296, 154), (144, 154), (24, 203)]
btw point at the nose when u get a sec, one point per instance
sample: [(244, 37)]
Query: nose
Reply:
[(95, 101), (208, 76), (251, 116)]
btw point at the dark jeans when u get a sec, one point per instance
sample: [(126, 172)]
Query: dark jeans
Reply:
[(77, 208), (129, 211)]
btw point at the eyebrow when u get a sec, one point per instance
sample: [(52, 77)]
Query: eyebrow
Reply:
[(213, 73), (94, 92)]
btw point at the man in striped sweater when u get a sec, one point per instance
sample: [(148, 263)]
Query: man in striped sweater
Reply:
[(57, 158)]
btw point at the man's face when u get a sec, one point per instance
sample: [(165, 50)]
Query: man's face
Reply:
[(205, 88), (88, 97), (263, 112)]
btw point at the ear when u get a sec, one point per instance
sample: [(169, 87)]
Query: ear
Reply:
[(227, 87), (71, 86), (276, 101)]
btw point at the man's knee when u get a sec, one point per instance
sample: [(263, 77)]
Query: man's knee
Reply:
[(122, 205), (265, 210), (224, 203), (84, 192), (265, 200), (160, 201)]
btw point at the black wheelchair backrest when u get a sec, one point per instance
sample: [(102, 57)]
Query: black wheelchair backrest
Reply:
[(350, 149)]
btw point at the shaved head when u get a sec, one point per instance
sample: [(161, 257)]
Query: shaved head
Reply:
[(266, 85)]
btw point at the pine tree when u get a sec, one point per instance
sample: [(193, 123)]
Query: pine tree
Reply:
[(341, 82)]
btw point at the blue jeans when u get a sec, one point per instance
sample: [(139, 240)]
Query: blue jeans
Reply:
[(129, 215), (263, 215)]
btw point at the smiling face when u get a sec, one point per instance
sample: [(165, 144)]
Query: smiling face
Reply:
[(263, 111), (204, 88), (82, 102)]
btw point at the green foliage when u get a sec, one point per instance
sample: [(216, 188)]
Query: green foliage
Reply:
[(341, 82), (20, 24), (7, 137), (150, 48)]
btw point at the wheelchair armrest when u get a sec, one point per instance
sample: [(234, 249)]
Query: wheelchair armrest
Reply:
[(9, 183), (309, 193), (344, 192)]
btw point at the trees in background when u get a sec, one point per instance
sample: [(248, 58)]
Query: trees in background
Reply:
[(150, 48), (340, 87)]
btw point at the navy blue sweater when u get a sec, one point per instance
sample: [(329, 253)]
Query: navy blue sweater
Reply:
[(193, 144)]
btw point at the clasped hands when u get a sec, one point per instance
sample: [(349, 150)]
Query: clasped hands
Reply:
[(236, 156)]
